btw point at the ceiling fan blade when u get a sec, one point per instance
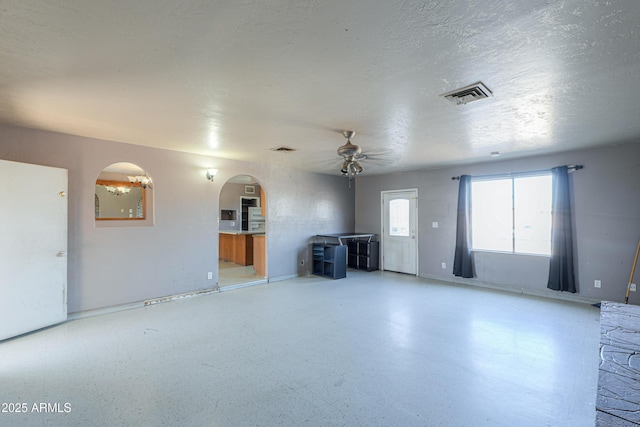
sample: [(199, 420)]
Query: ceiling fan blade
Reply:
[(381, 157)]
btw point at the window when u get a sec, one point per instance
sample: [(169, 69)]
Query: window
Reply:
[(512, 214), (399, 217)]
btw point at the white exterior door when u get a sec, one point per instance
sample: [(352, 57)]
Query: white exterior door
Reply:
[(33, 247), (400, 231)]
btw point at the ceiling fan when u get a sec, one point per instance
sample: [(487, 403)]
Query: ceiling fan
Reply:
[(352, 154)]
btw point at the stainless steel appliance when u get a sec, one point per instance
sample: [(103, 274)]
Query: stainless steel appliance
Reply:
[(256, 220)]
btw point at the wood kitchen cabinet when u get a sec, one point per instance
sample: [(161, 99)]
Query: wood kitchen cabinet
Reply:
[(236, 248), (263, 202), (259, 254)]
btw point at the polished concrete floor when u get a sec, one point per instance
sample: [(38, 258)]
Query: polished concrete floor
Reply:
[(375, 349)]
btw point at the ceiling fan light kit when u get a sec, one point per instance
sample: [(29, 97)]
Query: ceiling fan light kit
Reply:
[(351, 154)]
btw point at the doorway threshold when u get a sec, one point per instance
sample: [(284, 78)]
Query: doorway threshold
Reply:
[(243, 285)]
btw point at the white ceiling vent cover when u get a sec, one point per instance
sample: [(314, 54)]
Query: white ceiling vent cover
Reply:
[(468, 94)]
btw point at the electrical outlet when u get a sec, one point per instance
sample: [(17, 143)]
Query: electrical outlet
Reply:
[(210, 275), (444, 265), (597, 283), (632, 288)]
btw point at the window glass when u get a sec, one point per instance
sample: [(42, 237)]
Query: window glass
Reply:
[(512, 214), (399, 217), (491, 217), (532, 204)]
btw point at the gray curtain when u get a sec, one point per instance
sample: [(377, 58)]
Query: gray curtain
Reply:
[(561, 275), (462, 261)]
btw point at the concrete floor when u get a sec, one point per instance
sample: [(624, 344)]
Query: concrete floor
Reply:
[(375, 349)]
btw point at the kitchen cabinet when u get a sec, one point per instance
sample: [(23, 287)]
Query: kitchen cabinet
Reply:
[(236, 248), (259, 254)]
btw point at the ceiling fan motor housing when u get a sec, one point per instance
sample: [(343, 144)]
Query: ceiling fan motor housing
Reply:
[(351, 154), (349, 150)]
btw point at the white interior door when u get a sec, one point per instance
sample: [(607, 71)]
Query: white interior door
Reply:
[(400, 231), (33, 247)]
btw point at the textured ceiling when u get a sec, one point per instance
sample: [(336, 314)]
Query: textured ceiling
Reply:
[(234, 79)]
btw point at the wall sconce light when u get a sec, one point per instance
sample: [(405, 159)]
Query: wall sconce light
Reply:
[(211, 173)]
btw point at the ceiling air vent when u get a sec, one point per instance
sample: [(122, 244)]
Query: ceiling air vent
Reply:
[(468, 94), (283, 149)]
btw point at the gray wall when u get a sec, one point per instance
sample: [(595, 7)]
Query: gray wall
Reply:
[(118, 265), (606, 207), (109, 266)]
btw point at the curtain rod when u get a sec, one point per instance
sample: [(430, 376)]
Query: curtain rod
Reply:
[(571, 168)]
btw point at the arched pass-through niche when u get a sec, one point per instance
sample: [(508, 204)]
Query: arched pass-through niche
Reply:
[(123, 196), (242, 226)]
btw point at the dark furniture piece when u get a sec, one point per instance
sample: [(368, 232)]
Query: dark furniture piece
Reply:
[(330, 260), (343, 237), (364, 254)]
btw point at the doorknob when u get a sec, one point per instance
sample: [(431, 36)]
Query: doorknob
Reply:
[(62, 254)]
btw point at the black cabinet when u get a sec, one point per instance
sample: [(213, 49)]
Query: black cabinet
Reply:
[(364, 255), (330, 260)]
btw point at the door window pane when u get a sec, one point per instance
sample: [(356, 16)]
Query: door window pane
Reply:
[(399, 217)]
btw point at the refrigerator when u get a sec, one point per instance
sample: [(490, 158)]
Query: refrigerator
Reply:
[(256, 220)]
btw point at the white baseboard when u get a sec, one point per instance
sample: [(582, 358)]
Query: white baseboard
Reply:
[(138, 304), (197, 293), (243, 285), (201, 292), (281, 278), (455, 281), (258, 282), (566, 296), (106, 310)]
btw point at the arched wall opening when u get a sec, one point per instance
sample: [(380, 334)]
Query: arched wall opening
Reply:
[(242, 227)]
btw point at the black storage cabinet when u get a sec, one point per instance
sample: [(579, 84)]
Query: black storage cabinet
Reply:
[(364, 255), (330, 260)]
